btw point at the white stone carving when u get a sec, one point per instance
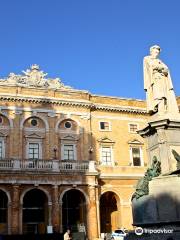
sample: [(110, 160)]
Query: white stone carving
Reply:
[(158, 85), (33, 77)]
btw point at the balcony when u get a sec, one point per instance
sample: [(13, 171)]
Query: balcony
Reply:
[(55, 166)]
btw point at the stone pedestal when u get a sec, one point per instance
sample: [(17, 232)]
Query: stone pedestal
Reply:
[(163, 135), (144, 211), (161, 207), (166, 192)]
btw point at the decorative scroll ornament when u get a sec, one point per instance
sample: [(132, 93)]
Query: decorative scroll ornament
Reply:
[(33, 77)]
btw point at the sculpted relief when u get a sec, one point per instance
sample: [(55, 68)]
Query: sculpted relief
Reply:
[(158, 85), (33, 77)]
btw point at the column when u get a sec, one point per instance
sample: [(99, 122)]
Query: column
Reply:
[(49, 214), (9, 218), (15, 210), (126, 210), (60, 217), (21, 218), (98, 211), (55, 209), (92, 223)]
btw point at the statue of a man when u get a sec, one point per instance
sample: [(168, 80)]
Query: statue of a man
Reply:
[(158, 85)]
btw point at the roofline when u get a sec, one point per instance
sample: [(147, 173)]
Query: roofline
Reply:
[(120, 98)]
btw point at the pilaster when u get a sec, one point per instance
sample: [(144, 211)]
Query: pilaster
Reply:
[(55, 209), (15, 210), (92, 221)]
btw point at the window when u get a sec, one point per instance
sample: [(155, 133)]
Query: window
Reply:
[(133, 127), (106, 156), (1, 120), (1, 149), (105, 126), (68, 152), (34, 122), (68, 124), (33, 152), (136, 156)]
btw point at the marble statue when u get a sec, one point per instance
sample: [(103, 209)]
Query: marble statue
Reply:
[(158, 85)]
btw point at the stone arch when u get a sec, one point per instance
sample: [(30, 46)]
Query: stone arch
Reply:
[(110, 209), (7, 193), (68, 189), (130, 198), (39, 188), (35, 211), (9, 119), (119, 199), (36, 116), (63, 119), (5, 224), (74, 209)]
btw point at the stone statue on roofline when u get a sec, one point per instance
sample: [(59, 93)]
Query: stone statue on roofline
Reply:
[(34, 77), (158, 85)]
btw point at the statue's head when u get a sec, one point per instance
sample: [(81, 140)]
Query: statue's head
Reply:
[(155, 51), (35, 67)]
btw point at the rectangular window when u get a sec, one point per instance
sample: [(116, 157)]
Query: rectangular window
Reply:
[(69, 152), (133, 127), (1, 149), (33, 152), (106, 157), (104, 126), (136, 156)]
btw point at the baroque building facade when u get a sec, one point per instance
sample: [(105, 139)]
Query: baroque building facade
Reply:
[(68, 158)]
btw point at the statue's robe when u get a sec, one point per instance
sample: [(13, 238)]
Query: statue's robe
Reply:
[(163, 89)]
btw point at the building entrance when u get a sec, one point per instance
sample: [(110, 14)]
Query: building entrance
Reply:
[(35, 212), (109, 214), (74, 211), (3, 213)]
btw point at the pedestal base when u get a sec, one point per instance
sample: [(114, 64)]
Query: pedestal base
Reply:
[(161, 208), (163, 136)]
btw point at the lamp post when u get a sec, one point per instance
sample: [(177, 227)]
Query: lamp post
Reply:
[(55, 151)]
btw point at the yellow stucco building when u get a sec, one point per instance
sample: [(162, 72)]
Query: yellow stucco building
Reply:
[(68, 158)]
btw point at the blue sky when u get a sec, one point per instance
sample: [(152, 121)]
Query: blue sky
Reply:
[(96, 45)]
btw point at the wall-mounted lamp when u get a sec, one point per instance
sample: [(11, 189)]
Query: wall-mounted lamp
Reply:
[(55, 152)]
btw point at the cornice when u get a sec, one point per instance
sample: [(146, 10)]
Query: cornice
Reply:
[(107, 107), (72, 102), (121, 176), (56, 101)]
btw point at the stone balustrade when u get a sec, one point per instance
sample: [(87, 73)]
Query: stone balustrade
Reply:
[(47, 165)]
